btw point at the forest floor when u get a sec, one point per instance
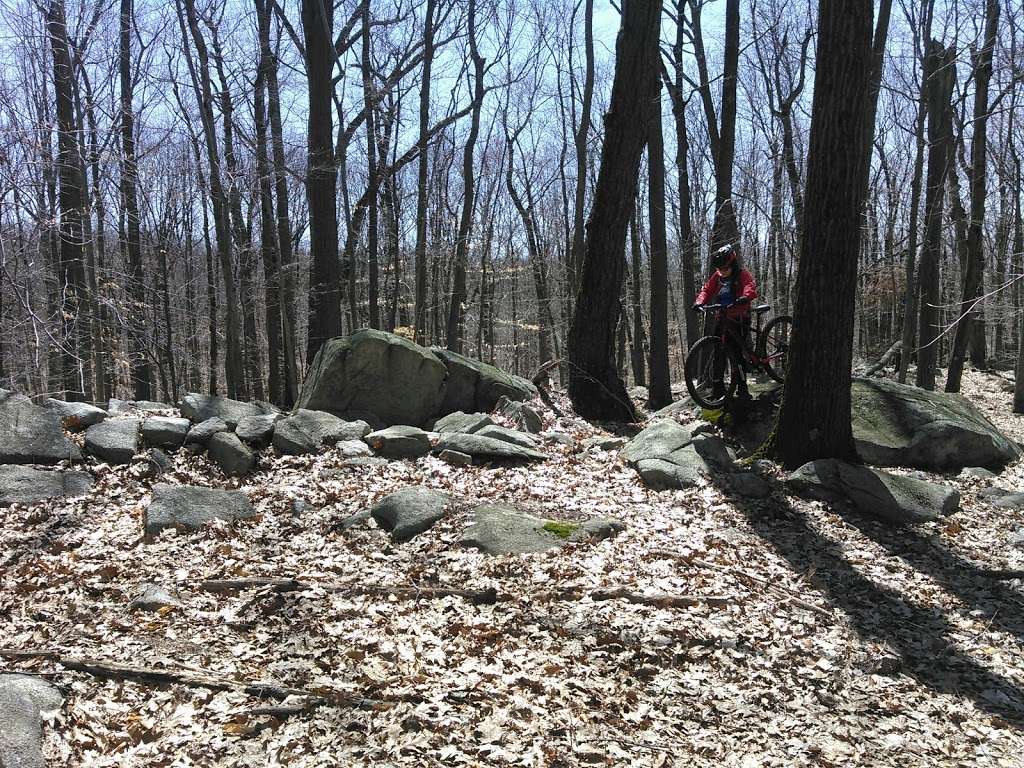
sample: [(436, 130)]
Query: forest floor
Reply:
[(839, 641)]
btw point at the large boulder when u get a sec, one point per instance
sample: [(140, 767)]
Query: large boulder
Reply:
[(197, 408), (189, 507), (257, 429), (24, 485), (75, 416), (165, 431), (668, 455), (308, 431), (378, 373), (476, 386), (30, 434), (116, 441), (23, 701), (486, 448), (899, 425), (499, 529), (892, 498), (410, 511)]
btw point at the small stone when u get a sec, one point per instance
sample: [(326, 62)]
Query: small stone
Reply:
[(165, 431), (456, 458), (201, 433), (157, 463), (604, 443), (1010, 501), (231, 454), (75, 416), (558, 438), (153, 598), (524, 417), (365, 461), (116, 441), (410, 511), (399, 442), (977, 472)]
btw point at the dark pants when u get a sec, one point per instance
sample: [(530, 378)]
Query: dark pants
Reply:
[(734, 330)]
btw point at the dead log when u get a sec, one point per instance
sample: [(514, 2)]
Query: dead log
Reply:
[(402, 592), (884, 360), (540, 380)]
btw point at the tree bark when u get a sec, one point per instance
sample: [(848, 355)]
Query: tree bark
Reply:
[(580, 140), (595, 388), (420, 265), (638, 357), (814, 418), (660, 391)]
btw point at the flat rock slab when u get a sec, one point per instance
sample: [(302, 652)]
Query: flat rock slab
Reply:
[(480, 447), (201, 433), (498, 529), (165, 431), (668, 455), (462, 422), (513, 436), (189, 507), (258, 429), (116, 441), (455, 458), (136, 406), (24, 485), (410, 511), (892, 498), (75, 416), (604, 443), (399, 442), (1009, 501), (308, 431), (473, 385), (197, 407), (23, 700), (231, 454), (899, 425), (30, 434)]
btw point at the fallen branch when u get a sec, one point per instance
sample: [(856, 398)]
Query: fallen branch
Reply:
[(883, 360), (657, 600), (539, 380), (487, 596)]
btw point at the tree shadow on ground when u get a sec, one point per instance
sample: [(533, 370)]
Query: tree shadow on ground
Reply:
[(921, 636)]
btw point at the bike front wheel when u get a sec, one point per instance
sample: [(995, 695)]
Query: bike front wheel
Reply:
[(774, 346), (711, 372)]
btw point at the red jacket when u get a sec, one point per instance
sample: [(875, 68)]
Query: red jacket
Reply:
[(744, 286)]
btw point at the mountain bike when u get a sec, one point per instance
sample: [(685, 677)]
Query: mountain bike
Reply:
[(713, 370)]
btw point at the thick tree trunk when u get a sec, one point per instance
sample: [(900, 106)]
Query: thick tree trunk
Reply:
[(595, 388), (420, 265), (660, 391), (639, 358), (814, 418), (972, 278), (940, 74), (321, 178)]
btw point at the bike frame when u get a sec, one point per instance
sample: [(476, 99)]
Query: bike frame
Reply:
[(727, 332)]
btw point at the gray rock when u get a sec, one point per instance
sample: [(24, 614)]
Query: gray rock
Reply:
[(669, 455), (977, 472), (521, 414), (508, 435), (365, 461), (201, 433), (679, 409), (473, 385), (24, 485), (604, 443), (354, 449), (377, 373), (487, 448), (165, 431), (1016, 539), (189, 507), (456, 458), (157, 463), (499, 529), (1010, 501), (410, 511), (135, 406), (75, 416), (231, 454), (462, 422), (30, 434), (892, 498), (23, 700), (116, 441), (197, 408), (899, 425), (258, 429), (750, 485), (991, 494), (308, 431), (351, 521), (154, 597), (399, 442), (558, 438)]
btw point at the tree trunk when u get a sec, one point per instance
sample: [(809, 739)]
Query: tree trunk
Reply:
[(595, 388), (580, 139), (638, 356), (940, 74), (321, 179), (420, 265), (972, 278), (814, 418), (660, 392)]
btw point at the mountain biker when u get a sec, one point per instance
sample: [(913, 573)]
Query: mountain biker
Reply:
[(733, 287)]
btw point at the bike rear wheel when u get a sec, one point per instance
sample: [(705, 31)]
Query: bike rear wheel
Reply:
[(774, 346), (711, 372)]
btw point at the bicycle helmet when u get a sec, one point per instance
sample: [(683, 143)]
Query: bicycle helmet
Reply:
[(724, 256)]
